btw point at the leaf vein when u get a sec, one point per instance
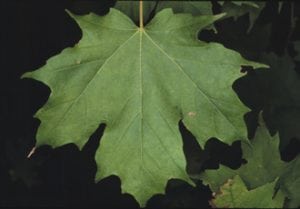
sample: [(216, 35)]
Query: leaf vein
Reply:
[(194, 83), (81, 93)]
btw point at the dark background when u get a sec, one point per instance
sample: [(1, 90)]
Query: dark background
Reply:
[(33, 31)]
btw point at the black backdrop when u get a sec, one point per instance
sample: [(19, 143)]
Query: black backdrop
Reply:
[(33, 31)]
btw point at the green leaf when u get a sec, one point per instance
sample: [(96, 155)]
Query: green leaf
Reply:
[(286, 91), (277, 93), (192, 7), (263, 165), (263, 158), (131, 8), (287, 121), (282, 103), (290, 183), (216, 178), (234, 194), (236, 9), (141, 82)]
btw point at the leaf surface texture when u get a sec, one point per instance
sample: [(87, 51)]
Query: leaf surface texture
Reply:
[(141, 82), (234, 194)]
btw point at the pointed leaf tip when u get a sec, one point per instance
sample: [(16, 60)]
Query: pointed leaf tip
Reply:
[(26, 75)]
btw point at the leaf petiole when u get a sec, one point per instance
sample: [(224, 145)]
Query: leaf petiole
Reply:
[(141, 15)]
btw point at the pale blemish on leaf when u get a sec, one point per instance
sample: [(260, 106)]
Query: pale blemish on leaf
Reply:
[(192, 114)]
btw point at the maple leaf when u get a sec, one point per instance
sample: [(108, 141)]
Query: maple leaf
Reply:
[(192, 7), (289, 183), (141, 82), (236, 9), (234, 194), (282, 103), (263, 166), (277, 93), (131, 8)]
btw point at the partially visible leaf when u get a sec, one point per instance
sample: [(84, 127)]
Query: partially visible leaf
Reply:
[(141, 82), (234, 194), (192, 7), (131, 8), (236, 9), (285, 120), (290, 183), (277, 93), (263, 158), (263, 165), (282, 103), (284, 81), (216, 178)]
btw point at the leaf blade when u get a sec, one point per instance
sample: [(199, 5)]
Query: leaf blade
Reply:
[(234, 194), (141, 98)]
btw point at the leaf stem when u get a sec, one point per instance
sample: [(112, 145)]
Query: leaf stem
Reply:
[(141, 15)]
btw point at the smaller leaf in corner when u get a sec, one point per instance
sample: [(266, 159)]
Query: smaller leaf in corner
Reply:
[(290, 183), (234, 194), (262, 166)]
